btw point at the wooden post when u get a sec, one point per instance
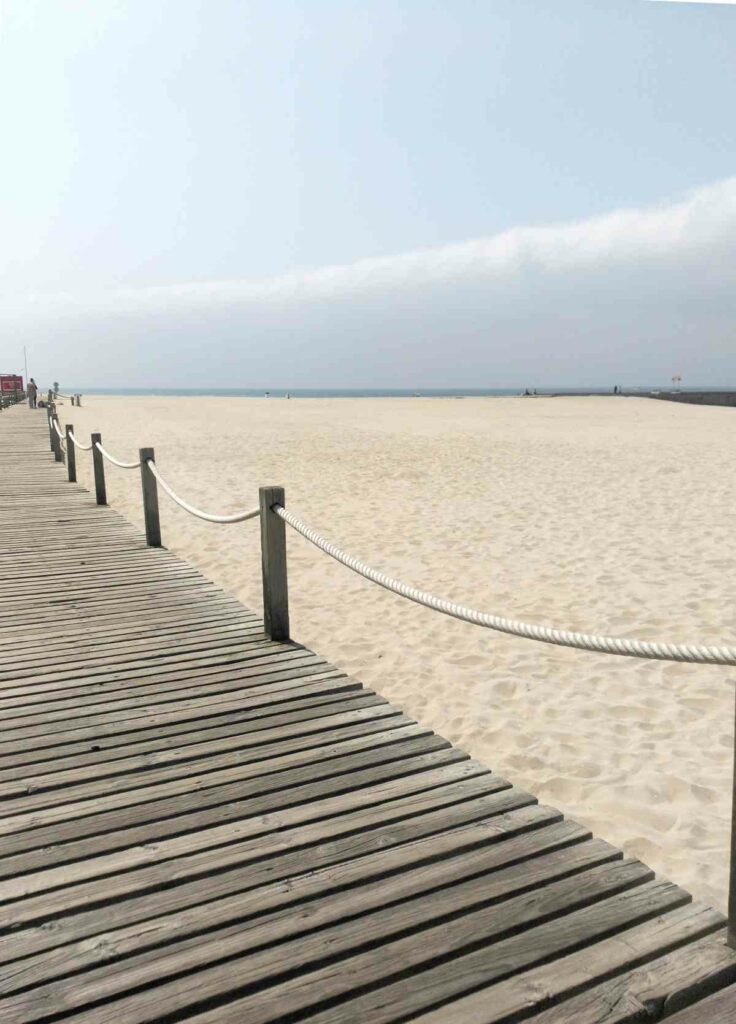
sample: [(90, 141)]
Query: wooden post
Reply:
[(273, 562), (58, 454), (51, 429), (98, 463), (49, 414), (150, 499), (61, 456), (71, 455)]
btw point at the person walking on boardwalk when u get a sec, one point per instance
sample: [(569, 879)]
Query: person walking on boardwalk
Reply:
[(32, 392)]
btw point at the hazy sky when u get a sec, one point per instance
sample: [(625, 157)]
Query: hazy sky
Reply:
[(368, 193)]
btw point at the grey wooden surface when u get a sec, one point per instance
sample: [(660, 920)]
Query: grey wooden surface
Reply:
[(149, 488), (198, 823)]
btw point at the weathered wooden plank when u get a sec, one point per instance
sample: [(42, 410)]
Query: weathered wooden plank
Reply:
[(219, 808), (387, 942), (197, 821), (261, 723), (252, 678), (450, 820), (437, 889), (369, 714), (57, 693), (235, 652), (445, 966), (632, 976), (140, 632), (174, 615), (218, 795), (658, 987), (151, 643), (289, 666), (87, 576), (255, 758), (167, 723), (144, 869), (115, 593), (18, 691), (719, 1008)]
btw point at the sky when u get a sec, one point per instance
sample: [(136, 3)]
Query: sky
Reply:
[(352, 194)]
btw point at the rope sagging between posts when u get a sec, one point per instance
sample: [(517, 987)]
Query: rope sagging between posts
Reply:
[(235, 517), (84, 447), (692, 653), (116, 462)]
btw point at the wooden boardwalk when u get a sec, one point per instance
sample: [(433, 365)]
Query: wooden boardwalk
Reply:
[(199, 824)]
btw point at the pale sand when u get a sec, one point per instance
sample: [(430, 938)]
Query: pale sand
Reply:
[(601, 514)]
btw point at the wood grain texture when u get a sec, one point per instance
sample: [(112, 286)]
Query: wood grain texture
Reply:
[(719, 1008), (200, 822)]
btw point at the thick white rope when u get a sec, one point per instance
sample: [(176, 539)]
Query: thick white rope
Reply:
[(694, 653), (84, 447), (116, 462), (235, 517), (55, 425)]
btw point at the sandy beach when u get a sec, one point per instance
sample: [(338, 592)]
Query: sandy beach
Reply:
[(607, 515)]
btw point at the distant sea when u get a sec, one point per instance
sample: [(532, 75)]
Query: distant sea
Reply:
[(309, 392), (362, 392)]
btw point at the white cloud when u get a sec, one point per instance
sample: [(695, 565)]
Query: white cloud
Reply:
[(721, 3), (706, 218), (618, 296)]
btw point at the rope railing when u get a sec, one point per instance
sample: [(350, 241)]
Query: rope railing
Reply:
[(274, 517), (698, 654), (692, 653), (78, 444), (114, 461), (210, 517), (275, 611), (74, 399), (57, 430)]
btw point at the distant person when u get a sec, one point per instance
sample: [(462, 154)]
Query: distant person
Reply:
[(32, 392)]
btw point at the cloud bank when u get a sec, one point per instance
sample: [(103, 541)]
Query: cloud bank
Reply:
[(630, 293), (714, 3)]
